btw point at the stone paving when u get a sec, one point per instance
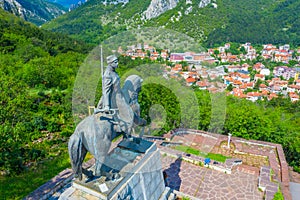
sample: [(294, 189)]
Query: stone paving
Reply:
[(205, 183)]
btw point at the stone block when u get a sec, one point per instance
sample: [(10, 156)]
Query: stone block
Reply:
[(141, 176)]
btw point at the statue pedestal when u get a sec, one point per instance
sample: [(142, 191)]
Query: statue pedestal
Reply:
[(139, 164)]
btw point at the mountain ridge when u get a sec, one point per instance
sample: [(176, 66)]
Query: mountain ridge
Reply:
[(35, 11), (209, 21)]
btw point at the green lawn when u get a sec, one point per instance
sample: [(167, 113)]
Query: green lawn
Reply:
[(190, 150), (217, 157)]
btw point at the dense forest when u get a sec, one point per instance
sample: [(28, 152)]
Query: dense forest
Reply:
[(38, 70)]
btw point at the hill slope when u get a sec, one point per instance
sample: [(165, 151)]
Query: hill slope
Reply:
[(210, 21), (35, 11), (37, 71)]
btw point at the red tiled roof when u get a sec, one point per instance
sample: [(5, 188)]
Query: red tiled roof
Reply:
[(294, 86), (272, 95), (259, 75), (263, 86), (237, 82), (190, 80), (251, 84), (202, 84), (294, 95), (254, 94), (243, 86)]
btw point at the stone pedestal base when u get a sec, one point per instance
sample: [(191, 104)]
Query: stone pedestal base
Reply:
[(140, 175)]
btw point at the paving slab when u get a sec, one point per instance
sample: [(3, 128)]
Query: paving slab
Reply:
[(205, 183)]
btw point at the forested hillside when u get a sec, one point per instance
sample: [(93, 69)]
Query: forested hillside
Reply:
[(37, 72), (254, 21), (93, 22)]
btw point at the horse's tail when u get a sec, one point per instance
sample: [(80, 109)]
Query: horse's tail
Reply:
[(76, 152)]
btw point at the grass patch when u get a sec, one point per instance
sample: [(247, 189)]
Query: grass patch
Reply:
[(19, 186), (213, 156), (190, 150), (217, 157)]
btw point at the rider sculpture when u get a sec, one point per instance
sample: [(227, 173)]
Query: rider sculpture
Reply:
[(117, 107), (113, 100)]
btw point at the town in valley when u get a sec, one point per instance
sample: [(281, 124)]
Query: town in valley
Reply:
[(241, 71)]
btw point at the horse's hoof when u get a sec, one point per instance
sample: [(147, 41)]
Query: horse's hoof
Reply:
[(78, 176), (97, 173), (116, 176)]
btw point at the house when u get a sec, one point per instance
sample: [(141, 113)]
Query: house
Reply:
[(228, 80), (262, 87), (293, 88), (244, 78), (203, 85), (140, 53), (285, 47), (294, 97), (271, 96), (190, 81), (282, 56), (200, 57), (212, 89), (275, 89), (259, 77), (233, 58), (264, 93), (250, 85), (237, 83), (238, 93), (164, 54), (258, 67), (176, 57), (254, 96), (251, 54), (193, 74), (177, 68), (233, 68), (245, 67), (265, 72), (243, 87), (227, 46), (154, 55), (285, 72), (268, 51)]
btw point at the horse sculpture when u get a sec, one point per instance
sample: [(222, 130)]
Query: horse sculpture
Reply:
[(95, 133)]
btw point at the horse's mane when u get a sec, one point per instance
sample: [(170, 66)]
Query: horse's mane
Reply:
[(132, 86)]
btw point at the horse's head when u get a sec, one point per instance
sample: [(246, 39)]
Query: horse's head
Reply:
[(132, 87)]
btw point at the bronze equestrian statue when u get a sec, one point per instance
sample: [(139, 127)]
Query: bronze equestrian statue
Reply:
[(118, 110)]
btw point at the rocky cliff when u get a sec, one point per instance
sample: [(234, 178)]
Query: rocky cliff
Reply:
[(35, 11), (204, 3), (158, 7)]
